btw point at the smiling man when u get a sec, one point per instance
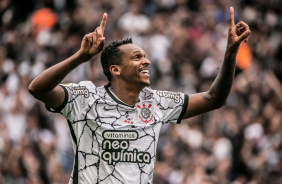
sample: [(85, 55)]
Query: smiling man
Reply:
[(115, 128)]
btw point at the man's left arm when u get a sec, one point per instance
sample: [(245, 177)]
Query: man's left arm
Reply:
[(217, 95)]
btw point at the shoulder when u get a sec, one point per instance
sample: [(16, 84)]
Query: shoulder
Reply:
[(84, 88), (79, 86), (81, 83), (147, 93), (87, 84)]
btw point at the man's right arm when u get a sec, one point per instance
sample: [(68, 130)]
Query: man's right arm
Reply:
[(45, 86)]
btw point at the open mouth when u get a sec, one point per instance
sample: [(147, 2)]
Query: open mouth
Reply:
[(144, 71)]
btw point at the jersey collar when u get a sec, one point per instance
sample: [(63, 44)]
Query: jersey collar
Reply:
[(115, 98)]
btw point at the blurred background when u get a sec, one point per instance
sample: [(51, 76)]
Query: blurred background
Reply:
[(185, 40)]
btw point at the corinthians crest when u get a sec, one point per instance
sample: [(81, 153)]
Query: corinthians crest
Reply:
[(146, 114)]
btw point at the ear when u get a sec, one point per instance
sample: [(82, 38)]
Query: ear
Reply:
[(115, 70)]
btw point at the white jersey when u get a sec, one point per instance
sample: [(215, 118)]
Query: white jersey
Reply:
[(115, 142)]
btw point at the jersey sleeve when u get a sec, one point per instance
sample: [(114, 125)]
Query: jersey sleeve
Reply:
[(172, 105), (76, 99)]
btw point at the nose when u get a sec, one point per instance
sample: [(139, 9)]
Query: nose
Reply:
[(146, 61)]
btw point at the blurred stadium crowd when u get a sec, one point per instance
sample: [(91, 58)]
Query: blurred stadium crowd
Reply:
[(185, 41)]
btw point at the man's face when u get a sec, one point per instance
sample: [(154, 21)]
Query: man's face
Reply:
[(134, 65)]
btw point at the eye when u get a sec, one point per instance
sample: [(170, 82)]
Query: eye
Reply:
[(138, 56)]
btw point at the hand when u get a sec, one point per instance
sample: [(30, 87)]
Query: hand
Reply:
[(93, 43), (236, 34)]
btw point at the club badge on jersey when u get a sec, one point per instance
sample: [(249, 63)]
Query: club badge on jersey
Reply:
[(146, 114)]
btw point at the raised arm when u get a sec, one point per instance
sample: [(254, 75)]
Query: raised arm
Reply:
[(45, 86), (219, 91)]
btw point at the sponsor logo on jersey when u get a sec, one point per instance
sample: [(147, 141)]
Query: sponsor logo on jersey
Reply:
[(146, 114), (174, 96), (80, 90), (116, 144), (128, 119)]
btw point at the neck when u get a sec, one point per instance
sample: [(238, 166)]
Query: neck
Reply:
[(127, 94)]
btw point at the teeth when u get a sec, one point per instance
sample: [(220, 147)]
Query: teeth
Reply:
[(145, 71)]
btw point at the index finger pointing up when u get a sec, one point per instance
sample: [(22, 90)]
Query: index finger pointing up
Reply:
[(231, 20), (103, 22)]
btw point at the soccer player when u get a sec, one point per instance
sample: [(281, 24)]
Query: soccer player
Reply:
[(115, 128)]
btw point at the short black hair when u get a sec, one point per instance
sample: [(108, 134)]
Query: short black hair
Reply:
[(111, 55)]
